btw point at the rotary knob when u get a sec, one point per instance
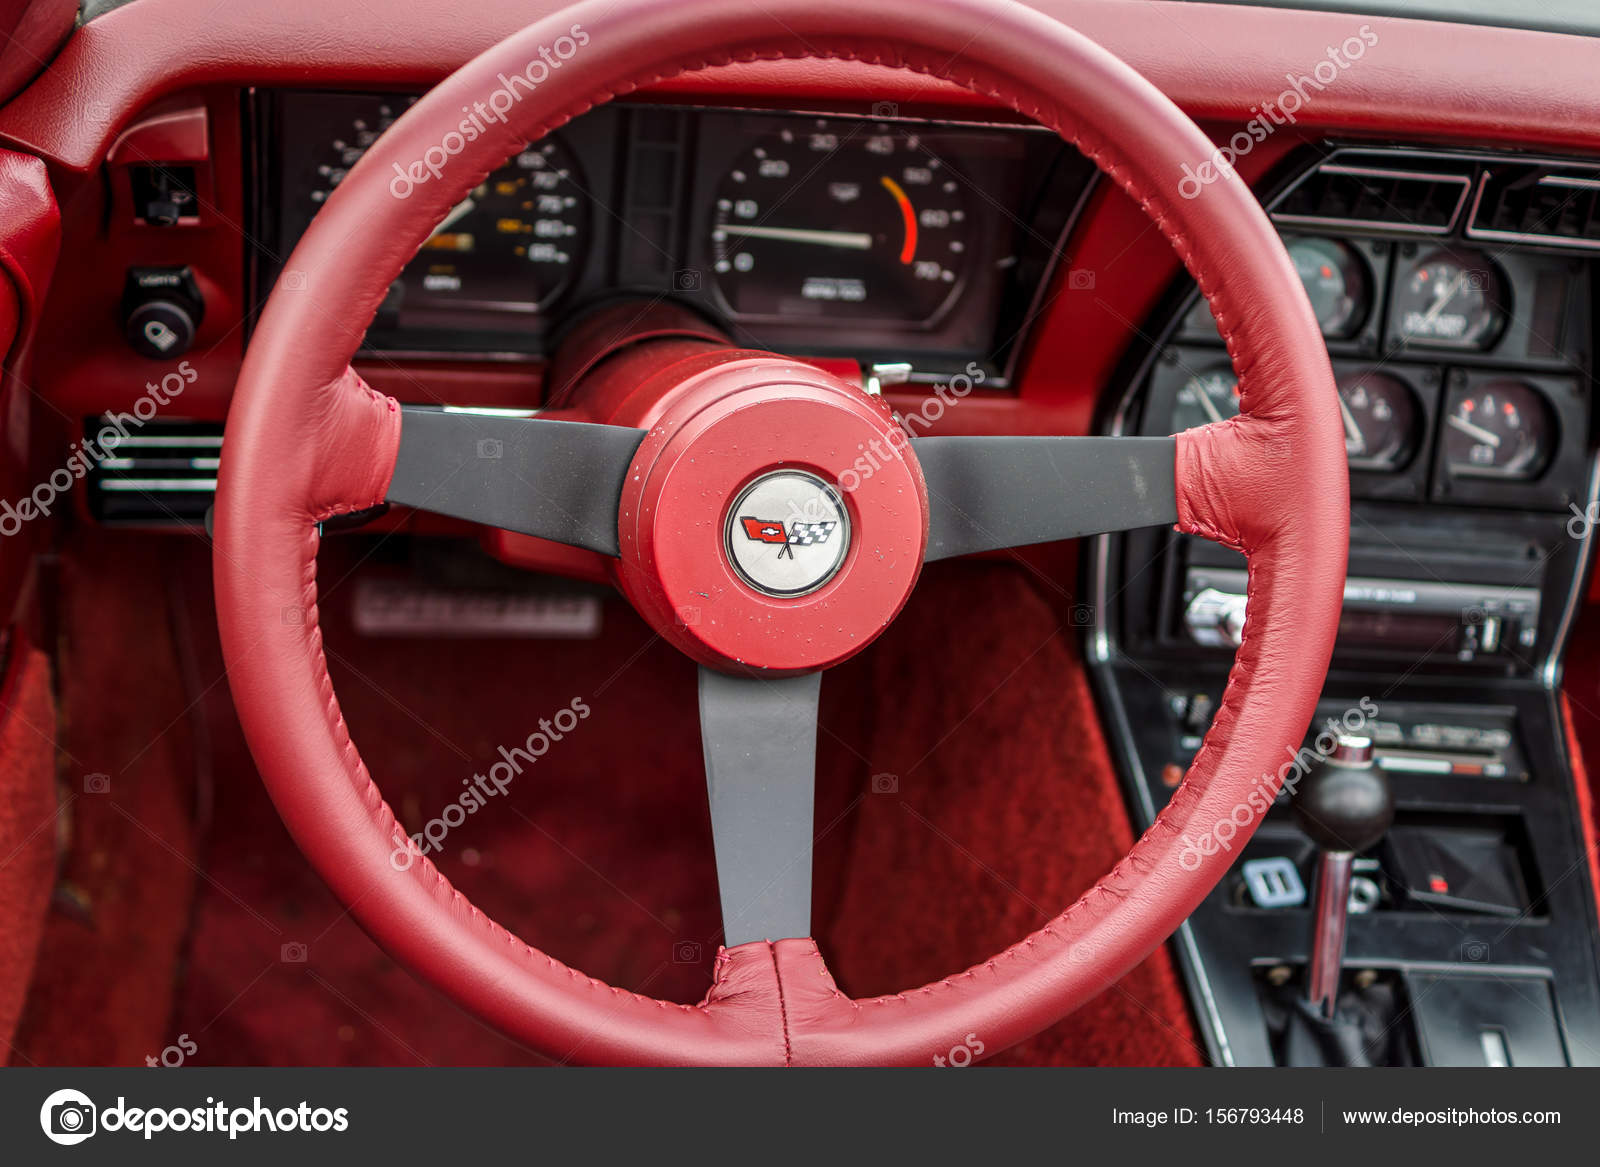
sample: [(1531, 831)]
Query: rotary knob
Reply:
[(161, 311)]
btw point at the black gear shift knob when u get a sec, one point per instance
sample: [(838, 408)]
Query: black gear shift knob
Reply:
[(1345, 804)]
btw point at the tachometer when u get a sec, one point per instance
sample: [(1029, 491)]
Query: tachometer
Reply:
[(514, 243), (855, 220)]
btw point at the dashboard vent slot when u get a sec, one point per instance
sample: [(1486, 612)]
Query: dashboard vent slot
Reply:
[(163, 473), (1388, 198), (1557, 205)]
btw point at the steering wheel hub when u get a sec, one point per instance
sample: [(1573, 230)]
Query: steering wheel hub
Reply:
[(774, 516)]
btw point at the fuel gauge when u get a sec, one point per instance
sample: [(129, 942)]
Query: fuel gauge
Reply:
[(1501, 429)]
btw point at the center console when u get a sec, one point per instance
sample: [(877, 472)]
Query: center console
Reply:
[(1456, 294)]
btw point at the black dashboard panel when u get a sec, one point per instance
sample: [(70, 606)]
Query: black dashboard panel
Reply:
[(1456, 295), (874, 238)]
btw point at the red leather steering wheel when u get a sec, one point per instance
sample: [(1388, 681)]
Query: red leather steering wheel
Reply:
[(641, 469)]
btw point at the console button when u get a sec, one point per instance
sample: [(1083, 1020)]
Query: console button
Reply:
[(162, 308)]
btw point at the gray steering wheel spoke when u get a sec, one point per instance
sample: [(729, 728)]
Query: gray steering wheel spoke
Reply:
[(559, 480), (760, 741), (987, 493)]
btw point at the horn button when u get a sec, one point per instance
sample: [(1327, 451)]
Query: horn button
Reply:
[(774, 517)]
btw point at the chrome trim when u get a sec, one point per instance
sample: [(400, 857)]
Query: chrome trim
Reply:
[(1330, 915), (491, 410), (1550, 671), (160, 485), (171, 441), (136, 463), (1383, 172)]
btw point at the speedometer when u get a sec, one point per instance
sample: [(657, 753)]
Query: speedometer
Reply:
[(515, 243), (853, 220)]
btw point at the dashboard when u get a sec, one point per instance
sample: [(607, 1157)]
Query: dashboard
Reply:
[(875, 237), (1442, 216)]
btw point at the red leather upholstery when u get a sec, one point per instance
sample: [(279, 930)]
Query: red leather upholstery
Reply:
[(30, 33), (306, 438), (30, 237), (1424, 78)]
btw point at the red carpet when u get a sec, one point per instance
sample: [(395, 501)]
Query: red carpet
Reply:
[(102, 992), (1003, 807), (27, 828)]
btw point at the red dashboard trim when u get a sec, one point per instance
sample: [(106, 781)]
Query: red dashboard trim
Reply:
[(1422, 78)]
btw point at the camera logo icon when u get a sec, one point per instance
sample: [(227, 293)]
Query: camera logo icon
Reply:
[(687, 280), (67, 1117), (686, 952)]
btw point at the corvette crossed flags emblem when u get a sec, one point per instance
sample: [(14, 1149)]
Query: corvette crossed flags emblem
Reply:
[(791, 536)]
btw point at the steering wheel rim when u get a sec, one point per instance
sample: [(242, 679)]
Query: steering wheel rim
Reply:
[(306, 439)]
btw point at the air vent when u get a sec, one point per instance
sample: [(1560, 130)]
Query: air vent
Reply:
[(1345, 193), (1557, 205), (163, 472)]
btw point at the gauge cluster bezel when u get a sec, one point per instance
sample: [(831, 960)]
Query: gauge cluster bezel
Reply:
[(974, 319), (294, 127), (1531, 333), (660, 163), (1544, 340)]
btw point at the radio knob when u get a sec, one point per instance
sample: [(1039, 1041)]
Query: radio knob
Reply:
[(1215, 618)]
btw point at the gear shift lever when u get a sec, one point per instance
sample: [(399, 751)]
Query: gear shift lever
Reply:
[(1345, 806)]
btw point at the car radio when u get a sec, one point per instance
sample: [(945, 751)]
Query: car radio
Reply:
[(1469, 620)]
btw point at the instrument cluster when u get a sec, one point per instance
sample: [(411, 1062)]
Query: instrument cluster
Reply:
[(1459, 369), (878, 238)]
